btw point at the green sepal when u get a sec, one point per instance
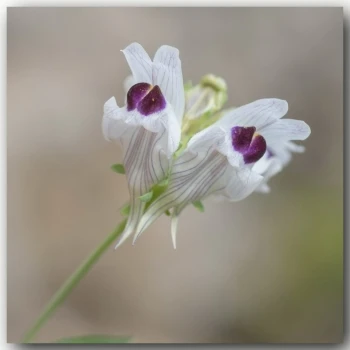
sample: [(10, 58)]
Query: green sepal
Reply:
[(198, 205), (118, 168), (157, 190), (163, 183), (146, 197), (125, 210)]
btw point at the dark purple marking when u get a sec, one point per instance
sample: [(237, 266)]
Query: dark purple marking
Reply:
[(256, 150), (153, 102), (135, 94), (251, 147), (242, 137)]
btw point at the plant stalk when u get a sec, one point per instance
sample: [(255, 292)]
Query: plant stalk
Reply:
[(71, 282)]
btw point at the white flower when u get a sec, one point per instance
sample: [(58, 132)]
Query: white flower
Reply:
[(220, 159), (148, 126)]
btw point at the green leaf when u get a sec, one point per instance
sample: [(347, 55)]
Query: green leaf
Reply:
[(95, 339), (167, 212), (146, 197), (118, 168), (125, 210), (199, 205)]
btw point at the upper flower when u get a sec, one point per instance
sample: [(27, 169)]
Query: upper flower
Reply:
[(155, 100), (164, 71), (148, 126)]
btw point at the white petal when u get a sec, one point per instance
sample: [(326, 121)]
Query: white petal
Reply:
[(110, 106), (163, 121), (145, 160), (293, 147), (280, 151), (262, 165), (174, 222), (263, 188), (267, 167), (146, 164), (167, 74), (139, 62), (196, 178), (113, 127), (259, 114), (241, 183), (275, 167), (285, 130), (173, 136), (218, 138), (148, 144), (119, 123), (136, 210), (213, 135), (193, 178)]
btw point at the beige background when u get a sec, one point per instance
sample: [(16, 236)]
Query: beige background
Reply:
[(267, 269)]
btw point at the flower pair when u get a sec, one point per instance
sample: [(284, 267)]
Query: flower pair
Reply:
[(170, 162)]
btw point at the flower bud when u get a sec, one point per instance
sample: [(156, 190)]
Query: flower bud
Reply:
[(203, 105), (207, 97)]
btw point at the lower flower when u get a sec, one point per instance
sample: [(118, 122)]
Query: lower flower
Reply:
[(229, 159), (195, 177)]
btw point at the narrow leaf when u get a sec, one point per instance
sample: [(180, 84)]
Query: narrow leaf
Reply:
[(198, 205), (118, 168), (95, 339), (146, 197)]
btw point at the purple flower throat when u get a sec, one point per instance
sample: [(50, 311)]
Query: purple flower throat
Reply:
[(246, 141), (147, 99)]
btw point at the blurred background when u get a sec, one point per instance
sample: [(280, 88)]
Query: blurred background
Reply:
[(266, 269)]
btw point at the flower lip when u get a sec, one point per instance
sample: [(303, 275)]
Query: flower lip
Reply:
[(246, 141), (146, 98)]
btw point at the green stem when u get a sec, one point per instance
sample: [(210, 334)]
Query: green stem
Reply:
[(72, 281)]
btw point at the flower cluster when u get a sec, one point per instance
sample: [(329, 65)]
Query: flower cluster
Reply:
[(180, 147)]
